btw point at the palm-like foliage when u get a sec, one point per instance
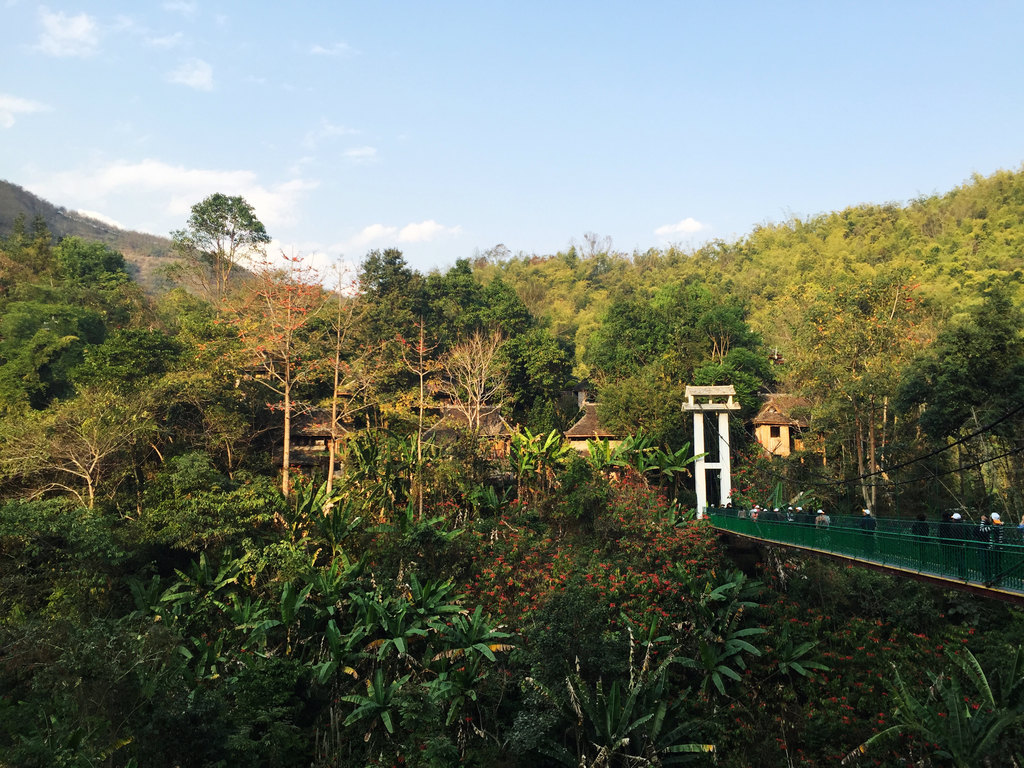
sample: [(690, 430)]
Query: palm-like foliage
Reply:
[(721, 638), (793, 657), (536, 458), (325, 515), (638, 723), (378, 704), (640, 452), (965, 730)]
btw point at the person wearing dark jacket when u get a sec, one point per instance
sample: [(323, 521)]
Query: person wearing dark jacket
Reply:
[(961, 536), (919, 530), (997, 547), (868, 524), (946, 544), (983, 546)]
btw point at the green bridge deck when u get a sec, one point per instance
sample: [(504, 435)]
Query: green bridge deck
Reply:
[(960, 561)]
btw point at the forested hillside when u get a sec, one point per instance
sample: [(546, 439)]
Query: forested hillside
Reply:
[(21, 211), (273, 517)]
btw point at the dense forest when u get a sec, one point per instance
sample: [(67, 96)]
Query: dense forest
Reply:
[(267, 516)]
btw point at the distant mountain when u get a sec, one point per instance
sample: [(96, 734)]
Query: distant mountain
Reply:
[(144, 253)]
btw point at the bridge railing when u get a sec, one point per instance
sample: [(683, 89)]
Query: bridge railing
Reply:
[(961, 556)]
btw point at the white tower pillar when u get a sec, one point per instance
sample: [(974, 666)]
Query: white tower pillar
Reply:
[(701, 400)]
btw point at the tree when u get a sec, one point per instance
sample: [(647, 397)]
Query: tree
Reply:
[(352, 375), (221, 231), (40, 344), (274, 317), (472, 378), (78, 447), (972, 376), (90, 264), (854, 337)]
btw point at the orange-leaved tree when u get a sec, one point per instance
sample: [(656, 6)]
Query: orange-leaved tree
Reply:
[(276, 313)]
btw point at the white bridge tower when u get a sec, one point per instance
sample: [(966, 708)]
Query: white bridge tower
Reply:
[(711, 400)]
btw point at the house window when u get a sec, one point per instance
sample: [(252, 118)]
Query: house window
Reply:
[(775, 431)]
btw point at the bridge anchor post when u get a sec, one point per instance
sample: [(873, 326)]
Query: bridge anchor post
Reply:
[(702, 401)]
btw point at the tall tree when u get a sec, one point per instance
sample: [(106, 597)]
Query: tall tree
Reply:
[(221, 230), (352, 371), (972, 377), (472, 378), (273, 314), (854, 337), (81, 447)]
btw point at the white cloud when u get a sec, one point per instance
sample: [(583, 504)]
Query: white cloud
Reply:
[(374, 233), (152, 187), (12, 106), (182, 7), (195, 73), (425, 231), (65, 35), (361, 154), (166, 42), (103, 219), (687, 226), (415, 232), (323, 131), (335, 49)]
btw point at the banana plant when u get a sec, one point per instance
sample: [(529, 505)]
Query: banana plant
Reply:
[(392, 619), (341, 649), (793, 658), (471, 637), (486, 500), (327, 516), (537, 458), (205, 587), (205, 658), (431, 600), (965, 731), (378, 705), (465, 642), (251, 617), (627, 724), (380, 472), (602, 455), (721, 640)]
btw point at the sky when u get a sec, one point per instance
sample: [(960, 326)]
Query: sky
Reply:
[(447, 128)]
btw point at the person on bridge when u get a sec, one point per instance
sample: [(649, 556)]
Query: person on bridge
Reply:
[(868, 524), (961, 535), (996, 552), (983, 545), (821, 524), (919, 530)]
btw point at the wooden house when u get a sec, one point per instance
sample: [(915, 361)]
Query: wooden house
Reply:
[(452, 421), (311, 438), (780, 424), (589, 427)]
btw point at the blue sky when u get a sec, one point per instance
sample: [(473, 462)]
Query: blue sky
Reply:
[(445, 128)]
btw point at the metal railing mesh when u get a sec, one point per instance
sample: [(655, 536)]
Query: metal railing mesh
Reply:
[(962, 553)]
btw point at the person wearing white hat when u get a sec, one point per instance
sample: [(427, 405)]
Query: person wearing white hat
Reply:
[(996, 551), (821, 524), (868, 524)]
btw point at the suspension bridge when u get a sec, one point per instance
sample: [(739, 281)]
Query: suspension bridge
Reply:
[(957, 560)]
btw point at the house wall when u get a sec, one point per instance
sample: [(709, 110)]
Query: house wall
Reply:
[(779, 446)]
